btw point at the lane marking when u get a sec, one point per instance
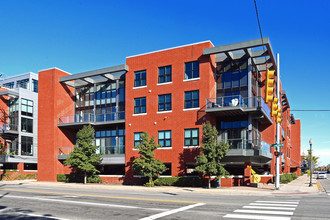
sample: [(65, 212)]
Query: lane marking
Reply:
[(262, 207), (278, 202), (101, 196), (81, 203), (170, 212), (259, 217), (263, 212), (278, 205)]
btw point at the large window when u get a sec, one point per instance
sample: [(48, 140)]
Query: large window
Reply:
[(140, 78), (164, 74), (140, 105), (165, 102), (35, 85), (27, 107), (191, 70), (164, 138), (110, 141), (191, 99), (9, 85), (27, 125), (23, 84), (137, 138), (191, 137), (27, 146)]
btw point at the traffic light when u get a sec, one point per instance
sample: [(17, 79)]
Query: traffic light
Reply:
[(279, 116), (269, 85), (274, 107), (276, 153)]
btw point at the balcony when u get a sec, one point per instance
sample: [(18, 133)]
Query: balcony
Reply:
[(8, 131), (92, 119), (237, 106), (248, 151), (110, 154)]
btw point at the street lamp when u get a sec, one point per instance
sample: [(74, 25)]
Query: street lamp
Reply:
[(310, 163)]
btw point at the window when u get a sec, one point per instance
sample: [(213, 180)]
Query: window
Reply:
[(137, 138), (26, 146), (164, 138), (164, 74), (30, 166), (27, 107), (23, 84), (110, 141), (191, 137), (140, 78), (165, 102), (27, 125), (9, 85), (140, 105), (191, 70), (34, 85), (168, 171), (191, 99)]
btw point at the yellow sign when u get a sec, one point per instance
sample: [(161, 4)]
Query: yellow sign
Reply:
[(255, 177)]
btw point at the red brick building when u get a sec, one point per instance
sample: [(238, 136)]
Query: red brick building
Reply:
[(169, 94)]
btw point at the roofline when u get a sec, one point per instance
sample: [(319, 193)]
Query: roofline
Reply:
[(171, 48), (55, 68), (22, 74)]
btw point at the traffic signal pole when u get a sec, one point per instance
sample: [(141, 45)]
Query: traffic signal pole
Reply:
[(278, 131)]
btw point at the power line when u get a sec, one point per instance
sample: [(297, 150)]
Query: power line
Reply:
[(262, 39), (309, 110)]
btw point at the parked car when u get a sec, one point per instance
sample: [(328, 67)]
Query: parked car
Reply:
[(321, 175)]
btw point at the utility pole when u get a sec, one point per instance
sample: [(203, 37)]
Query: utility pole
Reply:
[(278, 132)]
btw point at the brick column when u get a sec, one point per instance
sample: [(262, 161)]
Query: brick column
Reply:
[(247, 174)]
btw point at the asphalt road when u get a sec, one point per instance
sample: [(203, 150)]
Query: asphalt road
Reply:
[(325, 184), (19, 201)]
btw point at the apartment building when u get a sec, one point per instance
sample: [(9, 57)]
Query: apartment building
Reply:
[(169, 94), (19, 122)]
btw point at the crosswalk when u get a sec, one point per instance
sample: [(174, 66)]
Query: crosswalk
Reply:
[(266, 210)]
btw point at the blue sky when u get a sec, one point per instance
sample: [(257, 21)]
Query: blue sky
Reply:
[(78, 36)]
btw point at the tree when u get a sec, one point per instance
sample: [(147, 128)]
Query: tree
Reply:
[(146, 164), (314, 159), (84, 158), (208, 162)]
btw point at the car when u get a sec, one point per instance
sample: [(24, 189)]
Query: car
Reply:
[(321, 175)]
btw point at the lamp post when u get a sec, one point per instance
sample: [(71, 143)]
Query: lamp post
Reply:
[(310, 163)]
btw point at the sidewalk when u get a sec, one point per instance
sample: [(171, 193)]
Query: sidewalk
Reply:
[(298, 186)]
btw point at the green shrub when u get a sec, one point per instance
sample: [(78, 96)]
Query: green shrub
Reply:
[(149, 184), (287, 177), (94, 179), (61, 177), (179, 181)]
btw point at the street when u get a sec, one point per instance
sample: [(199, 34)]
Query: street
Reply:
[(24, 201)]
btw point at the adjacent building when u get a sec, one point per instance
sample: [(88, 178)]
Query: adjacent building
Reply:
[(169, 94), (19, 122)]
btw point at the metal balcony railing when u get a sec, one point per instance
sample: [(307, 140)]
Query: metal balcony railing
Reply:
[(237, 101), (89, 117), (8, 127), (248, 144), (105, 150)]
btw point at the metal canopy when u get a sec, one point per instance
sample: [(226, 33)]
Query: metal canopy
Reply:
[(95, 76), (259, 50), (9, 93), (285, 101)]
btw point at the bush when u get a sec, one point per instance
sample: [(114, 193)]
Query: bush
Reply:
[(61, 178), (94, 179), (179, 181), (287, 177), (78, 178), (149, 184)]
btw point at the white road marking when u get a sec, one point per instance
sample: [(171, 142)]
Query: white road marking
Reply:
[(81, 203), (257, 217), (278, 205), (263, 207), (263, 212), (170, 212), (278, 202)]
